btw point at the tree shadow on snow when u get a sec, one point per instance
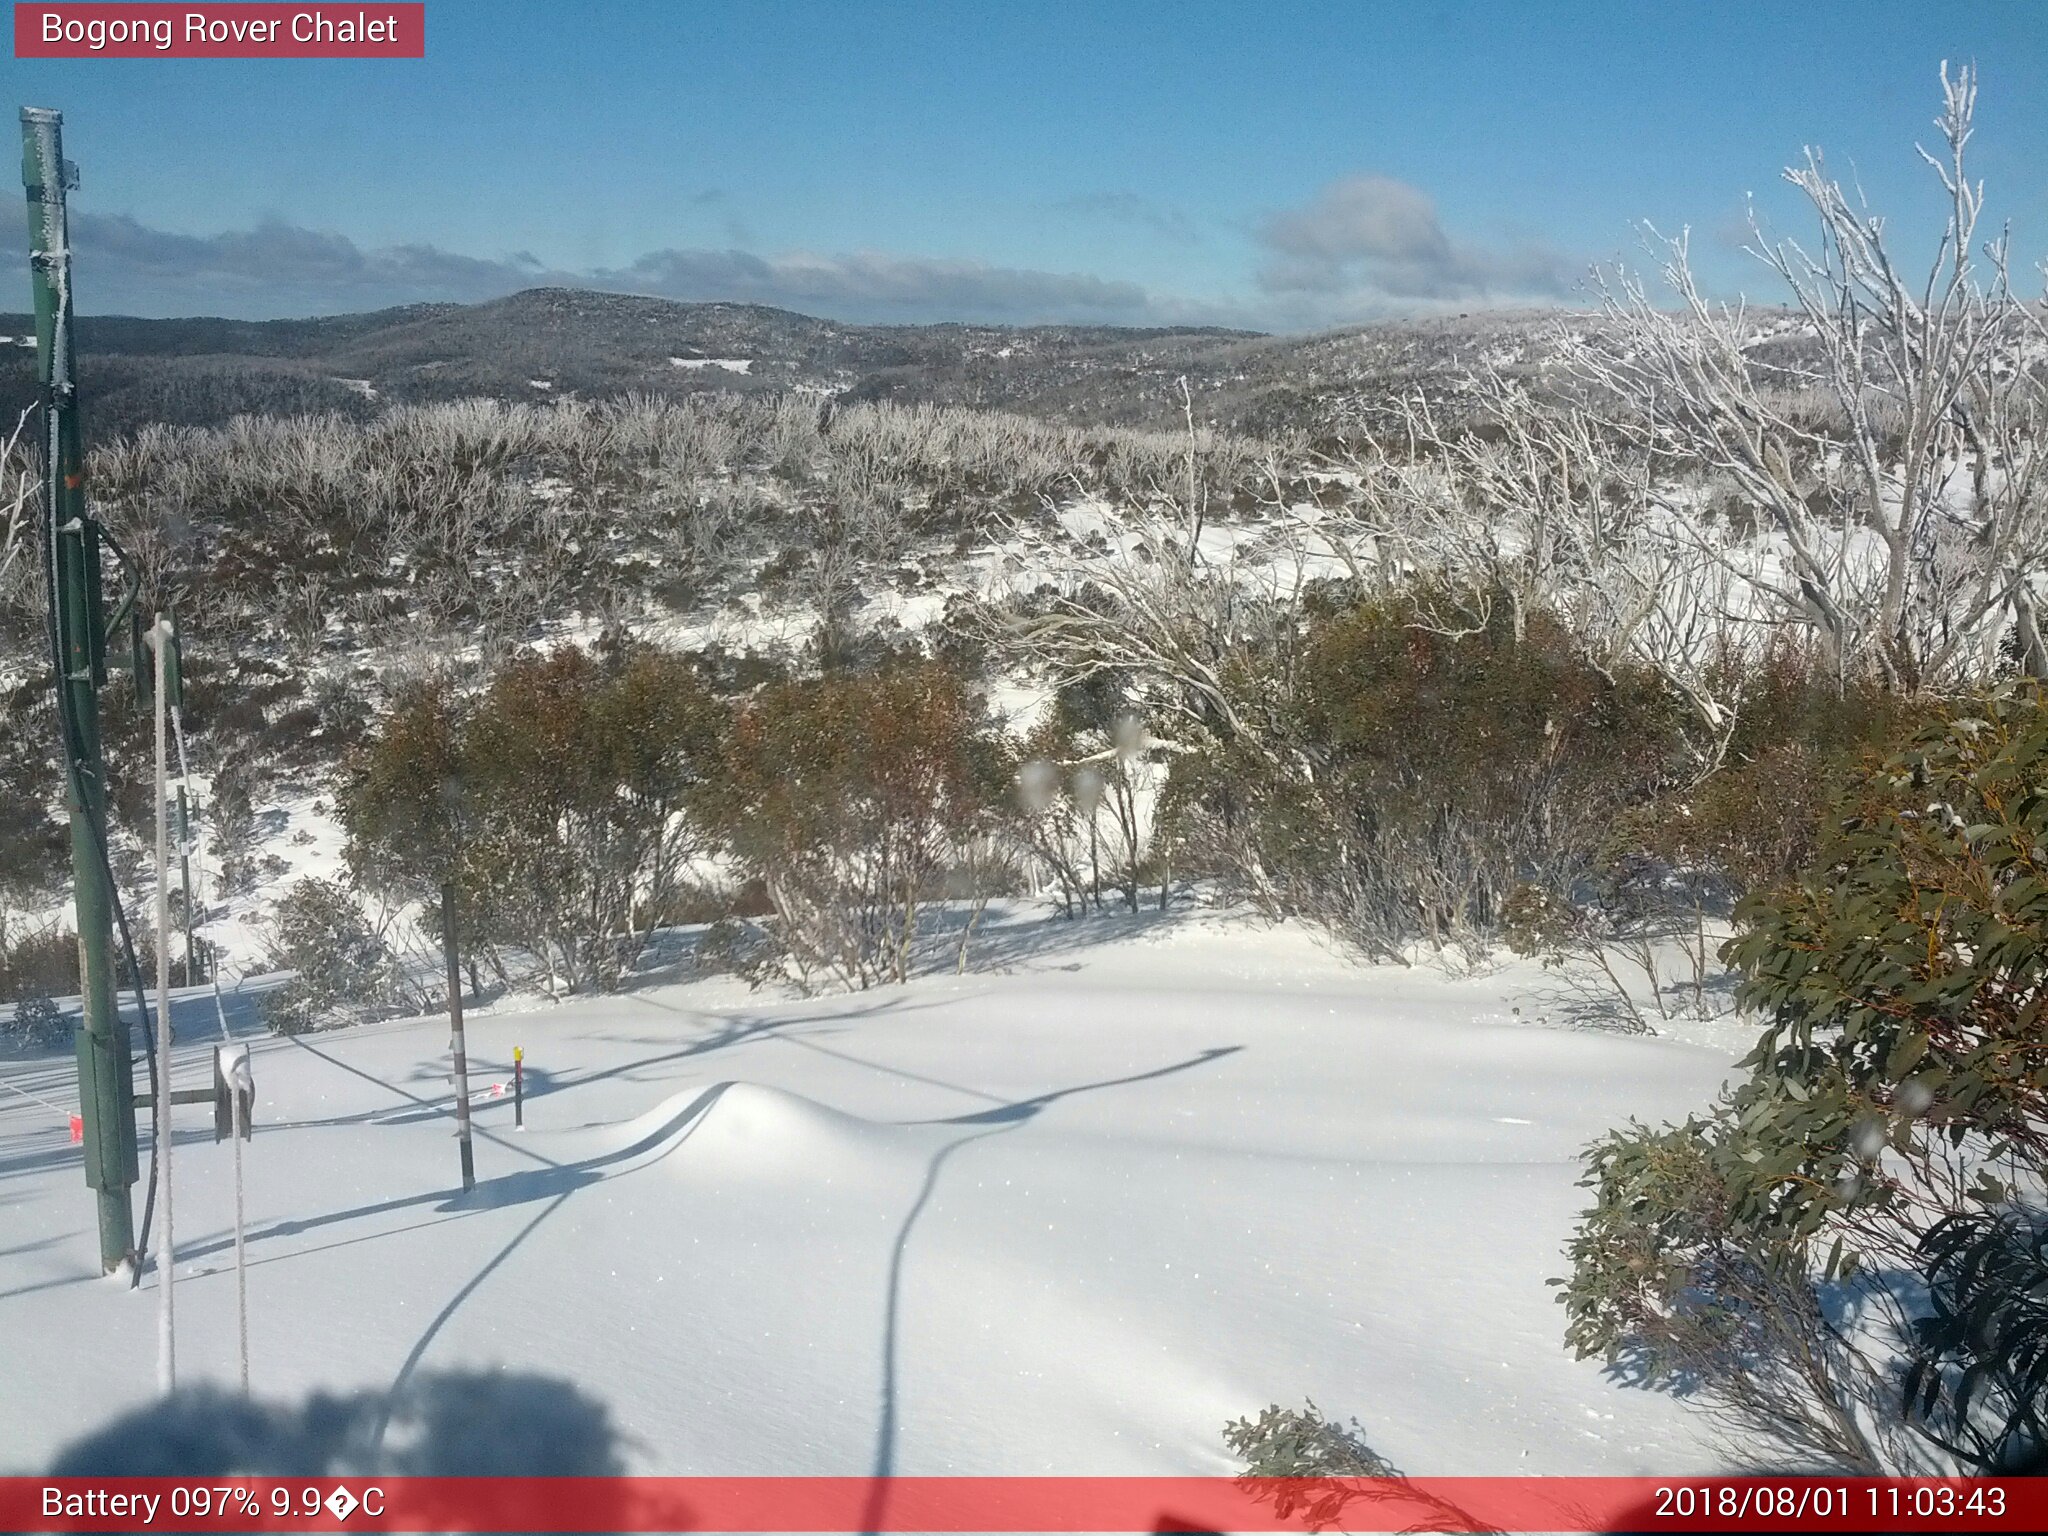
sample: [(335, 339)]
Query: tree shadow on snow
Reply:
[(997, 1121), (801, 1030), (466, 1424), (1003, 944)]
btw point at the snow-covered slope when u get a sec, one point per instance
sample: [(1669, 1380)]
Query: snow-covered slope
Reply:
[(1067, 1213)]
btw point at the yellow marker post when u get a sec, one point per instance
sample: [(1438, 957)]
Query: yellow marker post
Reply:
[(518, 1088)]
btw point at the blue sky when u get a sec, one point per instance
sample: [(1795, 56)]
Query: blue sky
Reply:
[(1279, 165)]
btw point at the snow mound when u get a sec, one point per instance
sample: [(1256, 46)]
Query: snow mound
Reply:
[(751, 1131)]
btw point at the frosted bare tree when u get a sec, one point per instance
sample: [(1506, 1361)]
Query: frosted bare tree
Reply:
[(20, 502), (17, 506), (1197, 503), (1907, 524), (1143, 606), (1543, 508)]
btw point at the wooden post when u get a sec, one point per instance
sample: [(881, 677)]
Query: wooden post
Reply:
[(455, 1041)]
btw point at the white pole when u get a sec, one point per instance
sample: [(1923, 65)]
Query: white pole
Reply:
[(241, 1255), (166, 1253), (240, 1086)]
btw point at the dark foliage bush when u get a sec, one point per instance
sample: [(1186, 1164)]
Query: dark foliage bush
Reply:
[(1409, 781), (1757, 819), (43, 964), (1979, 1381), (37, 1023), (1891, 1138)]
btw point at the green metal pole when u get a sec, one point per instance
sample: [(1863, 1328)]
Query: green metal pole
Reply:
[(106, 1086)]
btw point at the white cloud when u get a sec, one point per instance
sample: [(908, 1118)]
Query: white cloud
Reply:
[(279, 268), (1365, 247), (1373, 240)]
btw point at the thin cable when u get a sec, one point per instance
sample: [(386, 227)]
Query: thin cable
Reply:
[(156, 1106), (61, 1112), (241, 1086)]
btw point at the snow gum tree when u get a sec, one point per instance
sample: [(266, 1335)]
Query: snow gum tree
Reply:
[(1087, 766), (851, 796), (18, 501), (580, 779), (400, 804), (555, 805)]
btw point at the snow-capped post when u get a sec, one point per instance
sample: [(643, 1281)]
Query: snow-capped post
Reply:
[(234, 1097), (231, 1068)]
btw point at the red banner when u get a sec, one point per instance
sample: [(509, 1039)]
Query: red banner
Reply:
[(220, 31), (1004, 1504)]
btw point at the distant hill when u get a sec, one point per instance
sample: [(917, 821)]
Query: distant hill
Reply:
[(556, 342), (533, 344)]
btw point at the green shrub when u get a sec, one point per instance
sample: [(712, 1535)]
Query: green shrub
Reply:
[(1674, 1289), (1895, 1116), (1302, 1442), (290, 1010), (37, 1022), (1904, 1070), (1313, 1470)]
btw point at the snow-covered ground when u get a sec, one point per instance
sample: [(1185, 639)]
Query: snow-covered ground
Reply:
[(1070, 1212), (728, 364)]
